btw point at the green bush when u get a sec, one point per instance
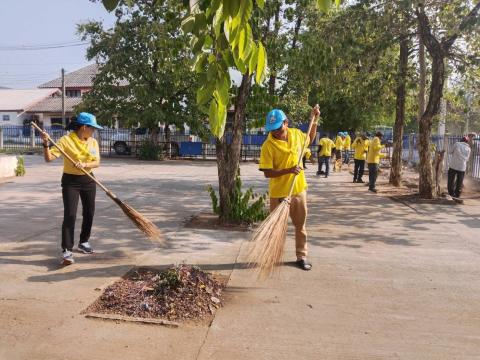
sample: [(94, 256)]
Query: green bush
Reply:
[(20, 169), (150, 151), (246, 207)]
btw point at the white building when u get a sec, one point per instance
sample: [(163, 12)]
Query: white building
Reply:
[(14, 104)]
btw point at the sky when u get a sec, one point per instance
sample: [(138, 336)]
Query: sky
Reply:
[(44, 23)]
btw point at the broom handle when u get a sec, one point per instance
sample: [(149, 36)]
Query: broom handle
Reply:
[(108, 192), (307, 139)]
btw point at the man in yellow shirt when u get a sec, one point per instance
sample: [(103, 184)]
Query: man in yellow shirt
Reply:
[(279, 158), (83, 149), (339, 142), (360, 146), (325, 146), (373, 160), (346, 148)]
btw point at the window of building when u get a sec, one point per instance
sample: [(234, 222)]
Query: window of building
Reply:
[(73, 93), (6, 117), (56, 121)]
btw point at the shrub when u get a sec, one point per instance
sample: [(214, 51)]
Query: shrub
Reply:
[(150, 151), (246, 207), (20, 169)]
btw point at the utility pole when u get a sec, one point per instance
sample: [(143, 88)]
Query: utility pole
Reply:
[(64, 123)]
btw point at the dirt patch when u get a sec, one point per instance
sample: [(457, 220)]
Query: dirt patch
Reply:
[(210, 221), (178, 293)]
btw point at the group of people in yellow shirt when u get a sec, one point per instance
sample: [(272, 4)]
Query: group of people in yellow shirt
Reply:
[(364, 150)]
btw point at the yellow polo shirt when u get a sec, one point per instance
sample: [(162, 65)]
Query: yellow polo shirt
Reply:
[(361, 147), (85, 151), (327, 145), (339, 143), (373, 156), (278, 154), (347, 142)]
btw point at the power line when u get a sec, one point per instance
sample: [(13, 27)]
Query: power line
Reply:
[(35, 48)]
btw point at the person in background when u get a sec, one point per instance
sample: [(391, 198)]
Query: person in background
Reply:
[(457, 167), (360, 147), (346, 148), (279, 157), (307, 156), (83, 148), (325, 146), (373, 160), (339, 141)]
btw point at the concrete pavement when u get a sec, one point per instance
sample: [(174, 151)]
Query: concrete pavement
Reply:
[(389, 281)]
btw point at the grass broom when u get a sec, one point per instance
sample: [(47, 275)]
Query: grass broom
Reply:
[(142, 223), (269, 238)]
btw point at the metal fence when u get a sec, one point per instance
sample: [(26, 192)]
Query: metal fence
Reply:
[(128, 142), (410, 152)]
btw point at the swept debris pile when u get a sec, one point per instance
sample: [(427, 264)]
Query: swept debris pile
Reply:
[(179, 293)]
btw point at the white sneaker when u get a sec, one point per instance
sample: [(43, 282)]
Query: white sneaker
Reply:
[(67, 258), (85, 247)]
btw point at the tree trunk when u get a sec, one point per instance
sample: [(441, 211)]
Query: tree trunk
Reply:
[(168, 146), (425, 185), (438, 50), (228, 150), (422, 71), (396, 166)]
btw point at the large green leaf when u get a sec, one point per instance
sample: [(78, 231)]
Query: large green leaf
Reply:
[(222, 86), (231, 6), (200, 23), (200, 63), (252, 62), (110, 5), (204, 94), (324, 5), (245, 11), (261, 64), (188, 24), (217, 116)]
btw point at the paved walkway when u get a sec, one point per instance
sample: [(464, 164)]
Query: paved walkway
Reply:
[(389, 281)]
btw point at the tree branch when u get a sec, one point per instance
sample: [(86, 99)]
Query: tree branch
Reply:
[(468, 21)]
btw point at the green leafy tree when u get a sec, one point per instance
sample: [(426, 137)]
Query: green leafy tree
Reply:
[(144, 64)]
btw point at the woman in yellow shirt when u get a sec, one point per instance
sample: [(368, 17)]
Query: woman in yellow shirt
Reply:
[(83, 148)]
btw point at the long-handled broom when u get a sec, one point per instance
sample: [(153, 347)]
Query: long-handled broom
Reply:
[(269, 238), (142, 223)]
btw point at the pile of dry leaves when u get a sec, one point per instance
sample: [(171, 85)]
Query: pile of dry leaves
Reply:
[(178, 293)]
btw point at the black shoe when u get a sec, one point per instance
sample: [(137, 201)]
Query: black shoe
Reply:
[(304, 264), (354, 181), (326, 176), (360, 181), (372, 190)]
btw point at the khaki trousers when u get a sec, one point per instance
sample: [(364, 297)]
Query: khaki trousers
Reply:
[(298, 214)]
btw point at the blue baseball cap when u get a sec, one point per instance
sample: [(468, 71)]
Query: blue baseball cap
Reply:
[(274, 120), (88, 119)]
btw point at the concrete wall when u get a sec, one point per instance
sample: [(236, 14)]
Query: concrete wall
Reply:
[(14, 118), (7, 165)]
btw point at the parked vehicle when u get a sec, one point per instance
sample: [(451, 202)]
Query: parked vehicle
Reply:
[(124, 142)]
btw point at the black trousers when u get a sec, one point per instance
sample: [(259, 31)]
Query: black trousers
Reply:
[(358, 169), (372, 175), (324, 160), (74, 187), (455, 182)]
